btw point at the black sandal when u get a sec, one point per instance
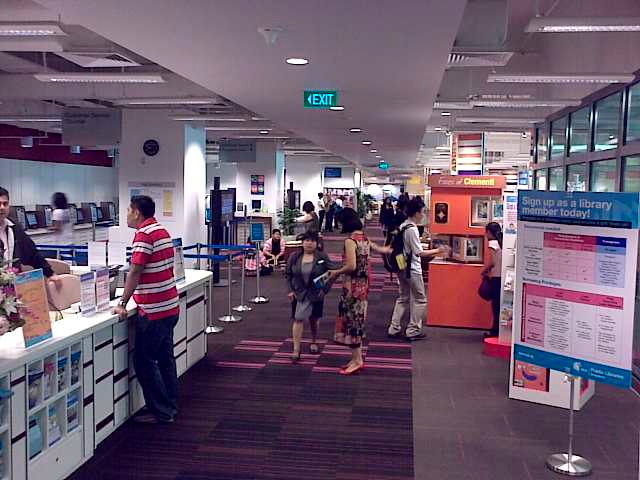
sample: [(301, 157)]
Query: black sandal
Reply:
[(314, 349)]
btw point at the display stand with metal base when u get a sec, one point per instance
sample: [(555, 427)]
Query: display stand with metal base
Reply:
[(229, 317), (211, 328), (242, 307), (258, 299), (568, 463)]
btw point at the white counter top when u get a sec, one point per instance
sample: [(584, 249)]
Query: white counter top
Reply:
[(73, 327)]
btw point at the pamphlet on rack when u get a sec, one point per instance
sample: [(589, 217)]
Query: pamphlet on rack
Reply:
[(102, 289), (88, 293), (576, 283), (178, 260), (31, 290), (97, 253)]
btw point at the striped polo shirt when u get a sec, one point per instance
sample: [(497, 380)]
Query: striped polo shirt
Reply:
[(156, 294)]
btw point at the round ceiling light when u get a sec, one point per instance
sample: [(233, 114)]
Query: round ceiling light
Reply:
[(264, 132), (373, 150), (378, 156), (366, 142), (297, 61), (438, 129), (337, 108), (445, 114), (355, 130)]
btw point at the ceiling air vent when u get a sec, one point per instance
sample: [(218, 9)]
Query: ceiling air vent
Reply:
[(478, 59), (98, 59)]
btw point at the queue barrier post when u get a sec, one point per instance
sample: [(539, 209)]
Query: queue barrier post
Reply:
[(229, 317), (242, 307), (199, 250), (258, 299), (211, 328)]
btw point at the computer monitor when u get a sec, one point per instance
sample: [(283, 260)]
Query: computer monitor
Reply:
[(32, 220), (108, 210), (73, 214), (45, 213), (227, 207), (80, 215), (94, 213), (99, 215), (17, 213)]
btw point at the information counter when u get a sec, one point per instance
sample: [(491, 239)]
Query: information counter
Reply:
[(82, 234), (72, 391)]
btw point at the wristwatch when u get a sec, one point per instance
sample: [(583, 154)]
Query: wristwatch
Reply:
[(123, 303)]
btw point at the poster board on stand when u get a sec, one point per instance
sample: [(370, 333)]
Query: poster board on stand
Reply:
[(575, 288), (178, 260), (31, 290)]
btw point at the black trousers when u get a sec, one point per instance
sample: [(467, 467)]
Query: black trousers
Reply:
[(320, 219), (329, 220), (156, 366), (496, 287)]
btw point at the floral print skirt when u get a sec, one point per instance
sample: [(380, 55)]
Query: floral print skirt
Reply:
[(352, 315)]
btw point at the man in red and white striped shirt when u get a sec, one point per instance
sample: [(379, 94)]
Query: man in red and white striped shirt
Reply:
[(152, 284)]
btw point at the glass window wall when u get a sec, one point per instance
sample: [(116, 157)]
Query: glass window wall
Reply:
[(556, 179), (633, 114), (541, 179), (607, 122), (543, 141), (603, 176), (631, 174), (577, 177), (558, 137), (579, 131)]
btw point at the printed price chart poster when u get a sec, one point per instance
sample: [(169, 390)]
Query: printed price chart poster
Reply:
[(31, 291), (576, 283)]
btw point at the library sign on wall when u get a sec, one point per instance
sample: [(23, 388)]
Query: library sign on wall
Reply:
[(576, 283)]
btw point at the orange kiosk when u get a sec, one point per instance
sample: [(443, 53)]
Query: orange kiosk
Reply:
[(461, 206)]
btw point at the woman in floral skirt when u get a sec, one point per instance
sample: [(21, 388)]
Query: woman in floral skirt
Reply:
[(352, 305)]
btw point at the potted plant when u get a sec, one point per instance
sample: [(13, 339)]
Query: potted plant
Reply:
[(287, 220)]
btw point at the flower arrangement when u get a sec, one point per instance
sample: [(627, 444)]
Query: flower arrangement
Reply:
[(10, 304)]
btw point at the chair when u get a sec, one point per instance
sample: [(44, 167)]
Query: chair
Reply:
[(58, 266), (68, 293)]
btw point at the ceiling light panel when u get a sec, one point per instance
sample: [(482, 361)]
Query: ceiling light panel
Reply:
[(478, 59), (99, 59), (499, 121), (98, 78), (210, 118), (524, 103), (32, 29), (452, 105), (237, 129), (166, 101), (583, 24), (567, 78)]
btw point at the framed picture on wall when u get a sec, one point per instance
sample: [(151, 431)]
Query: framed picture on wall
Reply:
[(441, 212), (480, 211), (257, 184)]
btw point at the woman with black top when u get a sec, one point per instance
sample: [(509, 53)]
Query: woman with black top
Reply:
[(387, 215), (307, 297)]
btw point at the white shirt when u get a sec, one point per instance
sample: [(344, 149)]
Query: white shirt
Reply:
[(412, 245), (65, 235), (5, 241), (339, 202), (496, 271), (320, 205)]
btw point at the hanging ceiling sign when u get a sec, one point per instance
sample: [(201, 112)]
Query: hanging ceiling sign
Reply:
[(320, 98), (237, 151), (91, 126)]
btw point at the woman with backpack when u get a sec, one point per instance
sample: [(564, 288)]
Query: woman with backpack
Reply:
[(493, 270), (411, 291)]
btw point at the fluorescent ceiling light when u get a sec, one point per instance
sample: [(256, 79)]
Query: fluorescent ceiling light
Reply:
[(29, 119), (499, 120), (297, 61), (237, 129), (373, 150), (259, 119), (355, 130), (255, 136), (378, 156), (583, 24), (524, 103), (337, 108), (209, 118), (31, 29), (264, 132), (366, 142), (445, 114), (565, 78), (437, 129), (451, 105), (30, 44), (166, 101), (98, 78), (502, 96)]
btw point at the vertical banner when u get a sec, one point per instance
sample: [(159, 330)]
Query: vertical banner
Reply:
[(576, 283), (178, 260), (509, 229), (31, 290)]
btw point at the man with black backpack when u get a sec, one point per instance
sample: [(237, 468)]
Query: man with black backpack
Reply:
[(405, 261)]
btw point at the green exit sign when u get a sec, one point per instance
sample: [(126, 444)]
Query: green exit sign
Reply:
[(383, 165), (320, 98)]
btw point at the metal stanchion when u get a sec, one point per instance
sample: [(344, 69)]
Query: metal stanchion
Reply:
[(242, 307), (258, 299), (211, 328), (229, 317), (199, 250), (568, 463)]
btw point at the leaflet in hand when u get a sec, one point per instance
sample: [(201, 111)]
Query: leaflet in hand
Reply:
[(321, 281)]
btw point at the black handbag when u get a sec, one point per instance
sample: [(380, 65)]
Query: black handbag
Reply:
[(485, 290)]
